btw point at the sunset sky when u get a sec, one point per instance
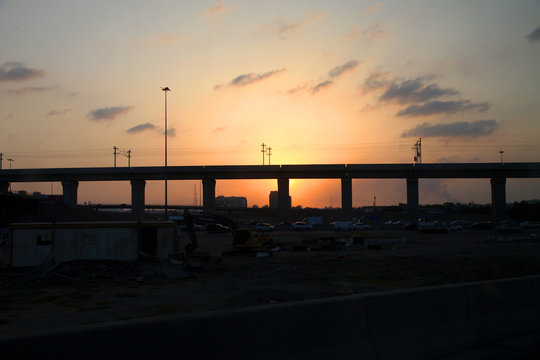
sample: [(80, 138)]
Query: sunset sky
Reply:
[(318, 81)]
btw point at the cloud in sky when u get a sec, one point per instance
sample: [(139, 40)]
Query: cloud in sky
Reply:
[(375, 81), (220, 129), (140, 128), (219, 9), (322, 85), (349, 66), (457, 129), (16, 71), (373, 8), (285, 30), (534, 35), (442, 107), (419, 94), (58, 112), (109, 113), (29, 90), (412, 91), (374, 31), (251, 78), (171, 132)]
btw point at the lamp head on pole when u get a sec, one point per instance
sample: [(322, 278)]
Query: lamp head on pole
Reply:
[(166, 88)]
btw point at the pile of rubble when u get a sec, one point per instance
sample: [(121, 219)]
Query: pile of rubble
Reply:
[(102, 270)]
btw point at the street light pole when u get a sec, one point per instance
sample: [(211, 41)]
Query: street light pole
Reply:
[(501, 152), (166, 89)]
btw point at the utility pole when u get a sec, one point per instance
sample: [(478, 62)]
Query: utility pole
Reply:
[(129, 158), (10, 161), (263, 150), (114, 153), (166, 90), (501, 152), (269, 153), (418, 151)]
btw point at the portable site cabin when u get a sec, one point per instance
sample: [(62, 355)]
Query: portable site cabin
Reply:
[(31, 244)]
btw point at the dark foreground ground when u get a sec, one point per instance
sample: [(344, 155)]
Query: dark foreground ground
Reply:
[(304, 267)]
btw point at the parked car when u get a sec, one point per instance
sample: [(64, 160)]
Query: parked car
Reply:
[(509, 226), (196, 227), (213, 228), (301, 226), (432, 227), (343, 226), (410, 226), (529, 225), (264, 227), (285, 225), (360, 226), (486, 225)]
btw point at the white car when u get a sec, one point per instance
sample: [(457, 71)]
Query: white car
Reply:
[(302, 226), (264, 227), (343, 226), (360, 226)]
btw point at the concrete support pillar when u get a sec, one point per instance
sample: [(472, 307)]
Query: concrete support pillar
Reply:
[(137, 199), (412, 199), (69, 192), (209, 195), (498, 199), (4, 187), (284, 202), (346, 198)]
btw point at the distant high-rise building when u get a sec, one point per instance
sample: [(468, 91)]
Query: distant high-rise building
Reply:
[(231, 202), (273, 200)]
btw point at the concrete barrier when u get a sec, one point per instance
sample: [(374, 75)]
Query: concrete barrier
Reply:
[(420, 323), (503, 308)]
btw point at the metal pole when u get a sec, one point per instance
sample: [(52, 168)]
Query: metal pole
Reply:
[(166, 89)]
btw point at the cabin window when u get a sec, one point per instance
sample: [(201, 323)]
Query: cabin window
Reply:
[(89, 239), (44, 240)]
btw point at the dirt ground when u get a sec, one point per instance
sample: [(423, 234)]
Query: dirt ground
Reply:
[(303, 266)]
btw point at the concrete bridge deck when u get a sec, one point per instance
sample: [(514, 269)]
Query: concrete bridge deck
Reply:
[(70, 177)]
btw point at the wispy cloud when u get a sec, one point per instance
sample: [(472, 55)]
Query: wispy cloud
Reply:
[(109, 113), (375, 81), (420, 95), (322, 85), (220, 9), (171, 132), (412, 91), (534, 35), (166, 38), (220, 129), (140, 128), (374, 31), (297, 89), (29, 90), (373, 8), (457, 129), (442, 107), (58, 112), (250, 78), (326, 81), (349, 66), (286, 30), (16, 71)]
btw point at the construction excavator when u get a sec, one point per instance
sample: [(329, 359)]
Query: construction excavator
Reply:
[(245, 242)]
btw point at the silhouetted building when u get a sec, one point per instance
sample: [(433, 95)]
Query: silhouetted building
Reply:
[(231, 202), (273, 200)]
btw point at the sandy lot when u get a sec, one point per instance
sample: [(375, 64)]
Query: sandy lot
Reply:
[(305, 267)]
